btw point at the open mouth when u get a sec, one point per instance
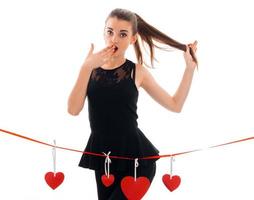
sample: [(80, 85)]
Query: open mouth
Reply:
[(115, 48)]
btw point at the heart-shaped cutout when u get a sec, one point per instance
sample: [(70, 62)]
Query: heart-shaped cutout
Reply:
[(107, 180), (135, 190), (171, 182), (54, 180)]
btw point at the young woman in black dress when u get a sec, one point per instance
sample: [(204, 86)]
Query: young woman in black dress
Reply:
[(111, 83)]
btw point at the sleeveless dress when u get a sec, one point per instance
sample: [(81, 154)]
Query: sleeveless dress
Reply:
[(112, 104)]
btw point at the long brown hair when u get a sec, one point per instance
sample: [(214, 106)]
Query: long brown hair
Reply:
[(148, 34)]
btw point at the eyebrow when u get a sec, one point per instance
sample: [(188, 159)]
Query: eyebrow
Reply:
[(113, 29)]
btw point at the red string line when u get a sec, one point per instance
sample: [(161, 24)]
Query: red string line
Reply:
[(121, 157)]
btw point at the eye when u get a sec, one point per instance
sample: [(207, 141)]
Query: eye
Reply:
[(122, 35), (109, 32)]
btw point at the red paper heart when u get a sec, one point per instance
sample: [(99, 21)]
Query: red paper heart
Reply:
[(107, 181), (171, 182), (54, 180), (134, 190)]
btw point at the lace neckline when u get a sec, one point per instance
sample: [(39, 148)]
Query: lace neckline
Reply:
[(115, 67)]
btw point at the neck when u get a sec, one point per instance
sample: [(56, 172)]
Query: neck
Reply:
[(114, 62)]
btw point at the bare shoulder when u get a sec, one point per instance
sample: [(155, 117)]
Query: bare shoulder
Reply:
[(140, 74), (143, 75)]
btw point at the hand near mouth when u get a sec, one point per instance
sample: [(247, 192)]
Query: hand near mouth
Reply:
[(95, 60), (115, 48)]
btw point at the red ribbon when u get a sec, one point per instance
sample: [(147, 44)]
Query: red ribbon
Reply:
[(120, 157)]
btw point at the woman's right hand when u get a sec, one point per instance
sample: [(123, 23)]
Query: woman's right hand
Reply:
[(95, 60)]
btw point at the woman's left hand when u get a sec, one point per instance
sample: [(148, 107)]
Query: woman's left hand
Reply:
[(190, 63)]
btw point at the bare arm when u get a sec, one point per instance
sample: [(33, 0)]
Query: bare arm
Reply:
[(78, 94), (173, 103), (183, 89)]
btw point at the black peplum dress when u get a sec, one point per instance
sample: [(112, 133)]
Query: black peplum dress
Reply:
[(112, 104)]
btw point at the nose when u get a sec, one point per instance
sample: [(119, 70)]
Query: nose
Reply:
[(114, 39)]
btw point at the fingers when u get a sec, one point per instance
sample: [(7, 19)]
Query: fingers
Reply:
[(91, 49), (108, 51), (191, 51), (103, 51), (106, 56), (193, 45), (187, 48)]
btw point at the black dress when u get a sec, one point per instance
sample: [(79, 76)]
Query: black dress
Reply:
[(112, 103)]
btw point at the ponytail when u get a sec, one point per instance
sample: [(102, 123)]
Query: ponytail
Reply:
[(148, 34)]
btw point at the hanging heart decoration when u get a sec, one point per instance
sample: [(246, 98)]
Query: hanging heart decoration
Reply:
[(135, 189), (54, 180), (107, 180), (171, 182)]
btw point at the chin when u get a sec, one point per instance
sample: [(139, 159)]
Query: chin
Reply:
[(117, 54)]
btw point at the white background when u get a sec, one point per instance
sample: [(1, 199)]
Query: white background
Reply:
[(42, 46)]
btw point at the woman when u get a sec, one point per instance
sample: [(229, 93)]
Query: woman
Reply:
[(111, 83)]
